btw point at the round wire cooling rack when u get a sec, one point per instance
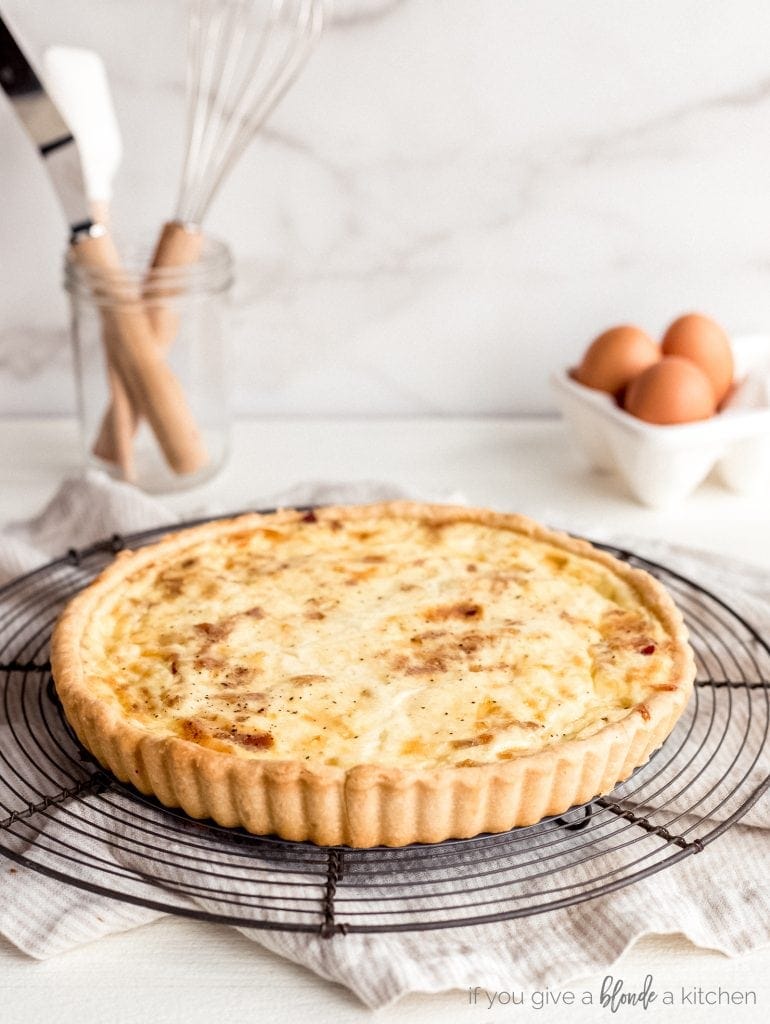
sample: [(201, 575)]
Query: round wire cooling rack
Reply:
[(65, 817)]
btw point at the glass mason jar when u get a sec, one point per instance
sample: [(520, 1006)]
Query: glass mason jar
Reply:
[(151, 365)]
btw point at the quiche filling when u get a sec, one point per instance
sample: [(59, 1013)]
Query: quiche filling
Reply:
[(387, 641)]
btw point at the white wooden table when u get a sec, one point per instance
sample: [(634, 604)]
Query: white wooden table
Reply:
[(177, 970)]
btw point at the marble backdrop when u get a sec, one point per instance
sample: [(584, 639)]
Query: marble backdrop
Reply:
[(457, 195)]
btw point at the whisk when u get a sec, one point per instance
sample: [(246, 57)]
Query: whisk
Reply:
[(243, 56), (240, 65)]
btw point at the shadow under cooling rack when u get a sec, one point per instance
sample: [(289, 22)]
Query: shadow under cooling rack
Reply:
[(64, 817)]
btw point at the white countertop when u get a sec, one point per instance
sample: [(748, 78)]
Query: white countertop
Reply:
[(181, 970)]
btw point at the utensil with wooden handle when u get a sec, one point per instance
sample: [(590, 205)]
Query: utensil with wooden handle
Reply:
[(77, 82), (138, 362)]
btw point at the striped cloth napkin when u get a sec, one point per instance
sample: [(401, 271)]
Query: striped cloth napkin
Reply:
[(43, 917)]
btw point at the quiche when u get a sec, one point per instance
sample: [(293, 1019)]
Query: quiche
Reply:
[(372, 674)]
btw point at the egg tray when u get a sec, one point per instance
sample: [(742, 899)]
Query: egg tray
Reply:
[(63, 816), (662, 465)]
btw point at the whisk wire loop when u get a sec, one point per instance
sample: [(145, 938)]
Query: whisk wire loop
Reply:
[(243, 56)]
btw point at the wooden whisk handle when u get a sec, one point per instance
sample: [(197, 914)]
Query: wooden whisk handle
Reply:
[(179, 245)]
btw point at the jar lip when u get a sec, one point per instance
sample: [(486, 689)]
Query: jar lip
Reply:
[(212, 272)]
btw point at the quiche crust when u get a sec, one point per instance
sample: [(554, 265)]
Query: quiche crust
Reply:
[(236, 780)]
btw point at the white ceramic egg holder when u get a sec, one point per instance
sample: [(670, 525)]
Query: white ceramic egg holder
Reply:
[(662, 465)]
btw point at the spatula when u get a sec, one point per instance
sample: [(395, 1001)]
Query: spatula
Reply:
[(77, 83)]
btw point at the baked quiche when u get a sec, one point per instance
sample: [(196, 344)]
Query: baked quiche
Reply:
[(372, 674)]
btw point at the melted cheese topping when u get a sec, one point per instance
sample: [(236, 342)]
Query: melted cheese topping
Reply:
[(387, 641)]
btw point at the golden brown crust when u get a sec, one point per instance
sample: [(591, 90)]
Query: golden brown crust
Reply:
[(367, 805)]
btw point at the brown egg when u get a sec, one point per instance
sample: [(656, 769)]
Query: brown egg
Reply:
[(616, 357), (674, 390), (704, 343)]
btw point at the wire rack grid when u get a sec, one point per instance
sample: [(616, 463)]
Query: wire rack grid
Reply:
[(63, 816)]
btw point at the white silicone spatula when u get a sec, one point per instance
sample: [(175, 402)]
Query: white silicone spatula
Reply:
[(77, 81)]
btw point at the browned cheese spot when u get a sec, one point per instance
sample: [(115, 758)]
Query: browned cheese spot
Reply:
[(436, 649), (499, 582), (622, 631), (427, 664), (277, 536), (251, 696), (213, 632), (239, 536), (492, 716), (416, 745), (556, 561), (252, 740), (460, 610), (170, 585), (359, 576), (239, 675), (470, 643), (433, 532), (625, 629), (427, 667), (205, 661), (509, 753), (569, 617), (191, 729), (431, 634), (474, 741)]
